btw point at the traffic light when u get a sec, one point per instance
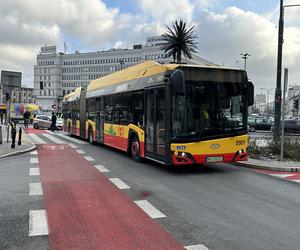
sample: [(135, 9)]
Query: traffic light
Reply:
[(296, 104)]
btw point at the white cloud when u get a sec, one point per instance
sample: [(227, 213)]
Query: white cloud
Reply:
[(168, 10)]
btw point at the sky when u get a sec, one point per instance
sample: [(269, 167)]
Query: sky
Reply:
[(225, 29)]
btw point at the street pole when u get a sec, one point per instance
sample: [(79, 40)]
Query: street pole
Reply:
[(278, 91), (245, 57), (278, 79), (283, 111)]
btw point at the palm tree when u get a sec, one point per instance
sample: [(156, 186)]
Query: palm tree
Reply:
[(180, 39)]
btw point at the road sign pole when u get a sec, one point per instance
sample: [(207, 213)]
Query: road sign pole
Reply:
[(282, 112)]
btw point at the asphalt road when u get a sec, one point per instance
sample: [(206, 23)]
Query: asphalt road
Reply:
[(220, 205), (15, 204)]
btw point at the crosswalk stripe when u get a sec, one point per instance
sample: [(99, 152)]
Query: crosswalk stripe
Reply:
[(35, 139), (196, 247), (54, 139), (71, 139), (281, 175)]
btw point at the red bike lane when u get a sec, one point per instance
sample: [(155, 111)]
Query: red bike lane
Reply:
[(86, 211)]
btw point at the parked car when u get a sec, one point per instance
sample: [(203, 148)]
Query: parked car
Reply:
[(259, 123), (292, 126), (44, 122)]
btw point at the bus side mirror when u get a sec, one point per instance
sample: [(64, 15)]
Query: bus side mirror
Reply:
[(177, 82), (250, 93)]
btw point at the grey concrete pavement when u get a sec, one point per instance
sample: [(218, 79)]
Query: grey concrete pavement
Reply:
[(268, 164), (5, 147)]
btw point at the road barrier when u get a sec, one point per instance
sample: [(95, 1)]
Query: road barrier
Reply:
[(13, 135), (0, 134), (20, 136)]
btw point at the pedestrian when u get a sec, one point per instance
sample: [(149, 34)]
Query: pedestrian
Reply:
[(26, 117), (53, 122), (1, 117)]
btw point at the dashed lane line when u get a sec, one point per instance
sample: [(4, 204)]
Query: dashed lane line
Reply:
[(34, 171), (38, 223), (119, 183), (34, 153), (196, 247), (149, 209), (34, 160), (80, 151), (35, 189), (101, 168), (89, 158)]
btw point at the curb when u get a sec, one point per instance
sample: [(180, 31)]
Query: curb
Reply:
[(271, 168), (19, 152)]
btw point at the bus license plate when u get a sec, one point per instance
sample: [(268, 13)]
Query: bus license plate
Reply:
[(214, 158)]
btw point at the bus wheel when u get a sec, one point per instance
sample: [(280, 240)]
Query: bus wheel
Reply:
[(91, 141), (135, 149)]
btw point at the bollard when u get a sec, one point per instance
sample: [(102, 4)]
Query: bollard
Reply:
[(0, 134), (13, 135), (7, 130), (20, 137)]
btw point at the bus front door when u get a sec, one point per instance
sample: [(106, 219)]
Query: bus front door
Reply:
[(100, 121), (155, 124)]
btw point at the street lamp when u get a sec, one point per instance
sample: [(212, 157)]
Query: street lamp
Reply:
[(279, 68), (268, 94), (245, 57)]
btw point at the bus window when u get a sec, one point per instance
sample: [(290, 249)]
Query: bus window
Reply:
[(108, 110), (136, 112), (121, 109)]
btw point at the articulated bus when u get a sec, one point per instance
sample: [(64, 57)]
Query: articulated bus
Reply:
[(174, 114)]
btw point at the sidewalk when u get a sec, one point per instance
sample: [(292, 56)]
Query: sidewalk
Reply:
[(5, 147), (272, 165)]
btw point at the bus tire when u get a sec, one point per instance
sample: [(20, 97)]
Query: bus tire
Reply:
[(90, 136), (135, 149)]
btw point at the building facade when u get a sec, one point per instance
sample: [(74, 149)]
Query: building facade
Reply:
[(57, 74), (19, 95)]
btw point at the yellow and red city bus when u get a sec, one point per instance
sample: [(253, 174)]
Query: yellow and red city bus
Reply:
[(170, 113)]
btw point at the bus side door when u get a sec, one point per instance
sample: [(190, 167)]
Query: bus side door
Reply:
[(155, 124)]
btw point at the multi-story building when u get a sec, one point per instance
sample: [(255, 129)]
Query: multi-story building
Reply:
[(18, 95), (57, 73), (293, 101)]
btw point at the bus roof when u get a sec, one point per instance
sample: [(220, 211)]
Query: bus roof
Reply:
[(73, 95), (141, 70), (145, 69)]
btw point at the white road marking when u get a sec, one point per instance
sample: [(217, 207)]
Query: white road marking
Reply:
[(72, 139), (34, 171), (34, 153), (34, 160), (38, 222), (196, 247), (298, 181), (72, 145), (101, 168), (89, 158), (35, 189), (54, 139), (119, 183), (150, 209), (281, 175), (35, 139), (80, 151)]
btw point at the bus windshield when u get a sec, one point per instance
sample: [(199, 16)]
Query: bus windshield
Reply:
[(209, 109)]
